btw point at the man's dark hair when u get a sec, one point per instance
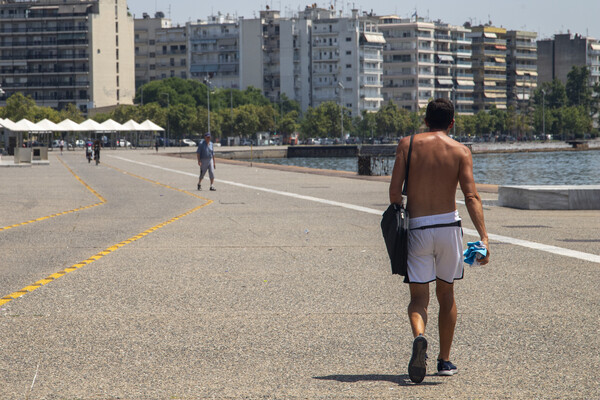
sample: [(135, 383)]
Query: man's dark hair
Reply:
[(439, 114)]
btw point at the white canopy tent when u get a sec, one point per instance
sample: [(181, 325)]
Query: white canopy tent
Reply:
[(133, 126), (112, 126), (48, 126), (12, 133), (151, 126), (68, 126), (89, 125)]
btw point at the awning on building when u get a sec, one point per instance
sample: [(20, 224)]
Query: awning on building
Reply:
[(373, 99), (490, 35), (489, 83), (532, 73), (465, 83), (500, 59), (520, 73), (500, 47), (73, 9), (372, 38), (523, 96), (490, 95), (228, 68), (595, 46), (444, 57), (43, 8), (501, 106), (204, 68), (445, 82)]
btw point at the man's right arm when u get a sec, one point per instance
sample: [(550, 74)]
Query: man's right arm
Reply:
[(472, 199)]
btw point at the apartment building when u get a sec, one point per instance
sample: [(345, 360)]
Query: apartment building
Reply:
[(557, 56), (489, 67), (453, 68), (346, 62), (160, 49), (295, 58), (408, 61), (68, 51), (521, 68), (424, 60), (214, 50)]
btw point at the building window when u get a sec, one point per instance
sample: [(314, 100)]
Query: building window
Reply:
[(117, 54), (117, 80), (348, 65), (117, 68), (348, 52), (117, 27), (348, 79), (117, 40), (118, 94)]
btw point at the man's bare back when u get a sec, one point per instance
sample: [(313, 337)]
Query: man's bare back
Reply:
[(435, 170)]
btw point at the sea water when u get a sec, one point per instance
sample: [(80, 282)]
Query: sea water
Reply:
[(531, 168)]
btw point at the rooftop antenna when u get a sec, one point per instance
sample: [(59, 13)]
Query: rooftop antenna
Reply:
[(169, 11)]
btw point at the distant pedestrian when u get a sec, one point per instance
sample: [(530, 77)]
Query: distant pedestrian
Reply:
[(156, 145), (206, 161), (437, 165), (61, 145), (97, 147)]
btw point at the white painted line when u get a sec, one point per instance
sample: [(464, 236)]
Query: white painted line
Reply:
[(471, 232)]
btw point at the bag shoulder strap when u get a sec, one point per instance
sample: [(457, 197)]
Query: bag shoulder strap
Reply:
[(407, 165)]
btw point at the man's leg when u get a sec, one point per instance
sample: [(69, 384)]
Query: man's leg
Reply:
[(417, 308), (202, 172), (447, 317), (417, 314)]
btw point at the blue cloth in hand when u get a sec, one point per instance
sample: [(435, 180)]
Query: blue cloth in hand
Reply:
[(474, 251)]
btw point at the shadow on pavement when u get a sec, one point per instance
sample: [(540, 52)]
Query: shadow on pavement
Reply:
[(401, 380)]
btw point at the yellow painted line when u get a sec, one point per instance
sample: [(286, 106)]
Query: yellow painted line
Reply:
[(102, 201), (109, 250)]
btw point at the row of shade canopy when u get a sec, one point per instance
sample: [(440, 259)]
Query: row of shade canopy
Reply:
[(89, 125)]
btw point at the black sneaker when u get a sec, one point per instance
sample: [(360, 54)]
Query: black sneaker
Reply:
[(446, 368), (199, 187), (212, 188), (417, 367)]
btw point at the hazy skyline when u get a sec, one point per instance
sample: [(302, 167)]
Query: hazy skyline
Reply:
[(542, 16)]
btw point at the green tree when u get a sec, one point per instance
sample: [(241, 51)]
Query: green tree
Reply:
[(389, 121), (578, 89), (18, 107), (367, 125), (71, 112), (288, 125), (555, 97), (312, 125)]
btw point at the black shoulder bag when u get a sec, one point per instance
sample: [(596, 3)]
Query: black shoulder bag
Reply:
[(394, 226)]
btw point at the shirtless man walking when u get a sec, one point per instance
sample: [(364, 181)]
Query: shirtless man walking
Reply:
[(437, 165)]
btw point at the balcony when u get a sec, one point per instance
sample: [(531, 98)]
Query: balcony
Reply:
[(43, 29), (45, 84), (33, 57), (30, 44)]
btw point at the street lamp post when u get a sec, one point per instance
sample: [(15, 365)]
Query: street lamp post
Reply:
[(168, 124), (341, 88), (544, 113), (207, 83)]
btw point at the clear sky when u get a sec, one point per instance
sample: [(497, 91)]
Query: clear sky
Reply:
[(546, 17)]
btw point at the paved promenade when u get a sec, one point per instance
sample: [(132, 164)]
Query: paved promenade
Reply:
[(123, 282)]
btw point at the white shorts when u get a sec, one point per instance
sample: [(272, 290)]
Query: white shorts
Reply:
[(434, 253)]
